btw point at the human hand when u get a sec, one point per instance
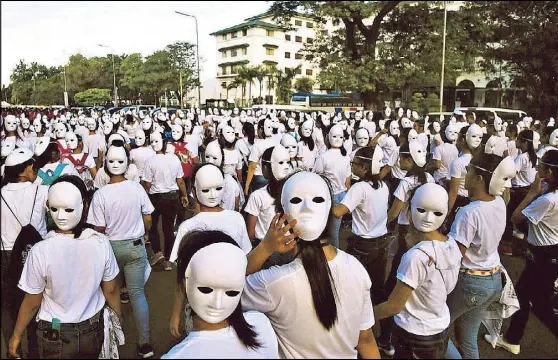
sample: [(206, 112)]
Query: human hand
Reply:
[(175, 326), (275, 239), (536, 187), (13, 344), (184, 200)]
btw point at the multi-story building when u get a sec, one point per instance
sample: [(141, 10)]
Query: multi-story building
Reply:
[(260, 41)]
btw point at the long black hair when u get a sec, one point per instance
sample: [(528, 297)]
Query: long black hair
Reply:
[(417, 171), (190, 244), (11, 173), (527, 136), (485, 165), (387, 126), (550, 159), (274, 186), (308, 141), (322, 285), (77, 182), (249, 131), (365, 155)]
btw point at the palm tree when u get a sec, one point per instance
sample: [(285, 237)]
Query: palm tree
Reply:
[(248, 75), (285, 83), (232, 85), (260, 72)]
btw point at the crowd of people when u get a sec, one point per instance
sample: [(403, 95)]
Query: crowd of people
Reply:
[(431, 204)]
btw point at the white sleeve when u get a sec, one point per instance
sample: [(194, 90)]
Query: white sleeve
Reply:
[(437, 155), (245, 244), (33, 280), (537, 210), (253, 204), (148, 172), (89, 162), (319, 165), (255, 154), (96, 214), (463, 229), (111, 265), (178, 168), (402, 191), (184, 228), (238, 159), (255, 295), (456, 169), (354, 197), (146, 205), (367, 320), (412, 271), (393, 158)]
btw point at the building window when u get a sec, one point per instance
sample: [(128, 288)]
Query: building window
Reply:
[(244, 51), (233, 35), (270, 33), (298, 39), (298, 22), (224, 70), (309, 57), (270, 67), (269, 51), (287, 37), (244, 32), (224, 36), (308, 71), (233, 53), (234, 69), (309, 40), (224, 85), (299, 71), (298, 56), (324, 32), (224, 54), (309, 25), (287, 55)]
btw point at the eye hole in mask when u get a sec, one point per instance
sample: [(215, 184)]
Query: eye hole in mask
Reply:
[(69, 210), (437, 213), (232, 293), (219, 188), (205, 290), (53, 209), (318, 200), (296, 200)]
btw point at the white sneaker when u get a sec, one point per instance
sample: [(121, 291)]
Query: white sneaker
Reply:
[(514, 349), (518, 234)]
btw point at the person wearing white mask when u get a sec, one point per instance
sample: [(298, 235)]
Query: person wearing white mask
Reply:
[(254, 177), (53, 167), (443, 156), (68, 277), (308, 147), (232, 199), (141, 152), (82, 162), (244, 145), (10, 134), (335, 165), (122, 210), (362, 139), (22, 203), (26, 129), (211, 271), (322, 280), (187, 160), (208, 188), (478, 229), (289, 142), (163, 180), (60, 131), (427, 274), (232, 162), (95, 143)]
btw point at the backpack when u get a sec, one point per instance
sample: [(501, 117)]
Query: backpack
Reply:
[(27, 237), (81, 168), (185, 158), (49, 176)]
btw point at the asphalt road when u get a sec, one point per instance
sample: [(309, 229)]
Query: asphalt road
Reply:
[(538, 341)]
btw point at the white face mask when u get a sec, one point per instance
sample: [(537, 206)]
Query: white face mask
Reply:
[(413, 135), (228, 134), (25, 123), (409, 113), (498, 124), (418, 153), (187, 126), (474, 136), (7, 148), (65, 205), (156, 141), (91, 124), (501, 177), (146, 123), (520, 126), (140, 137), (213, 154), (177, 132), (117, 162), (115, 119), (289, 142), (268, 128), (60, 131), (307, 199), (107, 128), (37, 125), (400, 113), (235, 111), (344, 125), (436, 127), (71, 140), (429, 207), (451, 134), (41, 145), (553, 140), (362, 137), (215, 278), (406, 123), (394, 128), (382, 124), (306, 129), (209, 185), (358, 116), (291, 123), (491, 144), (280, 166), (387, 113), (336, 138), (73, 121)]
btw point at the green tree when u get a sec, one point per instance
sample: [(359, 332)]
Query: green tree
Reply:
[(284, 88), (247, 74), (304, 84), (182, 56), (260, 73), (6, 93), (93, 96)]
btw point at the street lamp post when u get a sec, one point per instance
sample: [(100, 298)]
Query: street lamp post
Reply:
[(197, 52), (113, 73), (443, 58)]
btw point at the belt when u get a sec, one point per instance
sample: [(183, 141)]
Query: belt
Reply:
[(480, 272), (92, 320)]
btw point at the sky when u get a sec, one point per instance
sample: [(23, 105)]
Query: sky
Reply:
[(48, 32)]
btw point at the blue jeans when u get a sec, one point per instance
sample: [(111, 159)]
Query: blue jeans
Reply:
[(467, 303), (335, 224), (132, 261)]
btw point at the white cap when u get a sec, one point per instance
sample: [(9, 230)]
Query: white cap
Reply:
[(18, 156)]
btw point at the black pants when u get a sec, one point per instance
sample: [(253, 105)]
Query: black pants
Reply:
[(373, 254), (535, 285), (411, 346), (517, 195), (10, 303), (167, 206)]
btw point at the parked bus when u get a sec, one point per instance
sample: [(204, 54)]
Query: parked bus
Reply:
[(334, 102)]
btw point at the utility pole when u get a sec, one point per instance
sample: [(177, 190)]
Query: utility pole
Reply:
[(113, 73), (181, 95), (443, 58), (197, 52)]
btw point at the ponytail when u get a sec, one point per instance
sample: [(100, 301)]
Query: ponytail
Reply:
[(527, 136), (244, 331)]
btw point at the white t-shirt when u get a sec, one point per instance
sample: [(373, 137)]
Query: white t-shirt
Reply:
[(335, 167), (225, 344), (193, 144), (403, 193), (423, 139), (260, 145), (393, 162), (89, 164), (92, 144), (19, 197), (283, 294), (69, 272), (307, 156), (119, 207), (228, 221), (82, 131), (102, 178), (500, 146), (261, 205), (426, 311), (446, 153), (233, 161), (369, 207), (244, 147), (525, 171), (161, 171), (542, 214), (512, 149), (458, 170), (139, 156), (50, 167), (231, 191), (388, 145), (479, 227)]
